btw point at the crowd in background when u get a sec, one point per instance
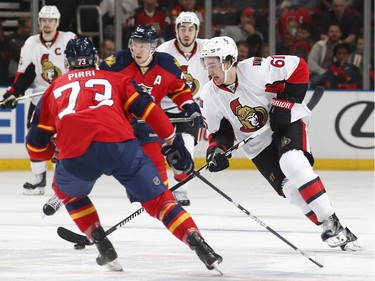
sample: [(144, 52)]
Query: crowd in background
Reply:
[(328, 34)]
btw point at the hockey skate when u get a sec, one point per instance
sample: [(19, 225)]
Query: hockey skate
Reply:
[(181, 198), (107, 253), (333, 232), (351, 243), (52, 206), (205, 253), (36, 185)]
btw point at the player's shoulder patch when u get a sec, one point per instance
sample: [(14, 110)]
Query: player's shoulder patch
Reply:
[(117, 61)]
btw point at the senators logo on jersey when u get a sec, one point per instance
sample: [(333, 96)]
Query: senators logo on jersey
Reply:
[(49, 71), (251, 118)]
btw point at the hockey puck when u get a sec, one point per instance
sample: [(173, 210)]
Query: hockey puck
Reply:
[(79, 246)]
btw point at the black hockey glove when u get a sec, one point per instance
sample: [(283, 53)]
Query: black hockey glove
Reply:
[(280, 114), (216, 159), (178, 157), (9, 101), (192, 110)]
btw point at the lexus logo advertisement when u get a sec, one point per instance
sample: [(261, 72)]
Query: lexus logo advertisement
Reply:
[(354, 125)]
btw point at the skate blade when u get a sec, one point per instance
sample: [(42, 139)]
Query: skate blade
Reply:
[(351, 246), (114, 266), (216, 267), (338, 240), (36, 191)]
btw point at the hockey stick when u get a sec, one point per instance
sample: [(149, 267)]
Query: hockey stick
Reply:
[(315, 98), (81, 240), (173, 120), (26, 97), (198, 175)]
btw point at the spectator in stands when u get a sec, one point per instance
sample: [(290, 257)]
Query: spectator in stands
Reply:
[(245, 28), (357, 56), (265, 51), (107, 10), (3, 56), (340, 15), (303, 42), (321, 55), (290, 15), (107, 48), (150, 13), (342, 74), (188, 6), (243, 50), (14, 44)]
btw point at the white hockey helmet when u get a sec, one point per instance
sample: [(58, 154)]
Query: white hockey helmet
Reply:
[(189, 17), (220, 47), (49, 12)]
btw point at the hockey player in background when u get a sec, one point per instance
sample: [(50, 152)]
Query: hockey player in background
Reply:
[(159, 75), (243, 97), (41, 62), (186, 48), (86, 108)]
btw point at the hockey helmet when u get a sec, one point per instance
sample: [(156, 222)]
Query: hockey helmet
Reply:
[(146, 33), (49, 12), (189, 17), (81, 53), (222, 47)]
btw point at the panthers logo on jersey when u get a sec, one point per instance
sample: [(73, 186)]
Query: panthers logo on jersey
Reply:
[(111, 60)]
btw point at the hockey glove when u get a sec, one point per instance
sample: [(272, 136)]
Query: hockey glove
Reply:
[(280, 114), (9, 101), (216, 159), (192, 110), (178, 157)]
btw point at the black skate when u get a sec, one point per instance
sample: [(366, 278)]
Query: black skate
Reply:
[(333, 232), (36, 185), (205, 253), (52, 206), (351, 243), (107, 253)]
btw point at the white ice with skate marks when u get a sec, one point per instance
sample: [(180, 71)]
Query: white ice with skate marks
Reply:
[(31, 250)]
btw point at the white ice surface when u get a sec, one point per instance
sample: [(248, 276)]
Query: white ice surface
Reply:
[(30, 249)]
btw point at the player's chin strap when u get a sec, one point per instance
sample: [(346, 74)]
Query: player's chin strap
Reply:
[(226, 72), (82, 240)]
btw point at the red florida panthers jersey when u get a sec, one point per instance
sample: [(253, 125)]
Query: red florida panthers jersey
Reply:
[(163, 77), (89, 105)]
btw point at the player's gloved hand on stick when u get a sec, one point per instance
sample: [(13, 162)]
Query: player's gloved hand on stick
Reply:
[(9, 101), (192, 110), (178, 157), (216, 159), (280, 113)]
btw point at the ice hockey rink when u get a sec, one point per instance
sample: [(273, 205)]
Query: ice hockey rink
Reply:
[(30, 248)]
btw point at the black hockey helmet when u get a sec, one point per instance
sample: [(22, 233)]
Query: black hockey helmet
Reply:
[(81, 53), (145, 33)]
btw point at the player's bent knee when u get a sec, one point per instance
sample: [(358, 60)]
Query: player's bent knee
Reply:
[(155, 207)]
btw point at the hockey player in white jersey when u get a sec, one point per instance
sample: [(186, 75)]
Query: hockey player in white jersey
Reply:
[(186, 49), (241, 98), (41, 61)]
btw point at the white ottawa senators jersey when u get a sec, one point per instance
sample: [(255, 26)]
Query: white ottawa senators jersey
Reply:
[(190, 65), (246, 106), (48, 59)]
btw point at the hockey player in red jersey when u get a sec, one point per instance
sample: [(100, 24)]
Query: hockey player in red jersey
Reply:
[(159, 75), (186, 48), (86, 108), (243, 97), (41, 61)]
